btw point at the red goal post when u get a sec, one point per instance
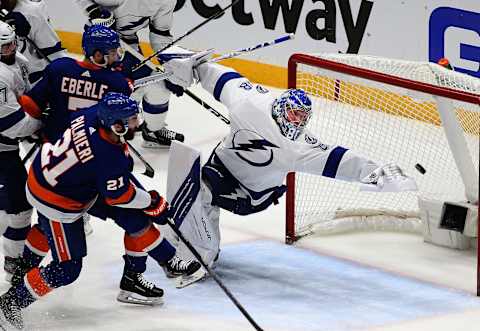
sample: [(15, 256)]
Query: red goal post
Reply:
[(369, 84)]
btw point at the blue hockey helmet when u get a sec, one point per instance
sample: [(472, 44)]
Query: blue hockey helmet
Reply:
[(292, 111), (116, 108), (103, 39)]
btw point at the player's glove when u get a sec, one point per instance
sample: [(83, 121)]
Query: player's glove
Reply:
[(388, 178), (174, 88), (184, 73), (158, 210), (100, 16), (19, 22)]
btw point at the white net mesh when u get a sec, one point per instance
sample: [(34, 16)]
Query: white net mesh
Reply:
[(385, 123)]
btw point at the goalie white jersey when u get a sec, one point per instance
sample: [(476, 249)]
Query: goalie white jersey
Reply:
[(14, 122), (256, 153), (41, 33), (133, 15)]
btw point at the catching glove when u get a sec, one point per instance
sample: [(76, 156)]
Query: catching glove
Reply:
[(184, 73), (388, 178)]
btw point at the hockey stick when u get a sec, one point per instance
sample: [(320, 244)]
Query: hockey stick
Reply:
[(214, 276), (30, 152), (152, 66), (151, 79), (149, 172), (189, 32), (253, 48)]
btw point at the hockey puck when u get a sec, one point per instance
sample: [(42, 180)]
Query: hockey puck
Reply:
[(420, 169)]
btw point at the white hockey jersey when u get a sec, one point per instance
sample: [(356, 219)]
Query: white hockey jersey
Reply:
[(14, 122), (41, 33), (256, 153), (133, 15)]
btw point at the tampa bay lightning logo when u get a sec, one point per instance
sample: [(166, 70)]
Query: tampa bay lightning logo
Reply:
[(253, 148)]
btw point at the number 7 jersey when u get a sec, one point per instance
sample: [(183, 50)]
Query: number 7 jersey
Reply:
[(67, 177)]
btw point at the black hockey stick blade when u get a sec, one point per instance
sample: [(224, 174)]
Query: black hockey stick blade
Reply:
[(149, 172)]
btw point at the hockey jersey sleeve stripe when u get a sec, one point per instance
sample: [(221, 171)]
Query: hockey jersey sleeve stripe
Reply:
[(53, 49), (124, 198), (52, 198), (333, 162), (30, 106), (10, 120), (217, 92), (37, 286), (159, 32)]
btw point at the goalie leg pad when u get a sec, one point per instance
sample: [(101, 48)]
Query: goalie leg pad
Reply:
[(191, 201)]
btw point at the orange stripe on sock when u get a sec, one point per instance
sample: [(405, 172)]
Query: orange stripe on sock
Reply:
[(37, 283), (140, 243), (38, 240)]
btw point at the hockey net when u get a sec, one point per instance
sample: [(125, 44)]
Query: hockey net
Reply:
[(387, 110)]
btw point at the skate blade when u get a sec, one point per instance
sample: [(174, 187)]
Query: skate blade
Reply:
[(6, 326), (136, 299), (148, 144), (183, 281)]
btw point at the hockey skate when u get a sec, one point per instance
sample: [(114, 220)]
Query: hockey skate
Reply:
[(184, 272), (21, 269), (9, 266), (10, 313), (135, 289), (160, 139)]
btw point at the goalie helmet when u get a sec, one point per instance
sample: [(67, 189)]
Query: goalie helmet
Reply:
[(292, 111), (116, 108), (101, 38), (8, 43)]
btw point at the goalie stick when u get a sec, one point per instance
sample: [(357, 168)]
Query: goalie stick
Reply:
[(252, 48), (214, 275), (189, 32)]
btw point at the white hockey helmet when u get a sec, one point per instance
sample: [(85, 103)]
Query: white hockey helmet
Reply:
[(8, 41)]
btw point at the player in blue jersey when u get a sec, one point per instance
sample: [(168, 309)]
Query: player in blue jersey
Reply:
[(88, 166), (101, 49), (128, 17), (69, 84)]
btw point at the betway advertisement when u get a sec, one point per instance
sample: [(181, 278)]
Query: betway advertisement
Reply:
[(404, 29)]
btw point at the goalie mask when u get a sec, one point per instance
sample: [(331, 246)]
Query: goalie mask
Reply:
[(292, 111), (116, 111)]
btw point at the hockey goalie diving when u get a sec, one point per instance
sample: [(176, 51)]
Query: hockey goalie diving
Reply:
[(151, 195)]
